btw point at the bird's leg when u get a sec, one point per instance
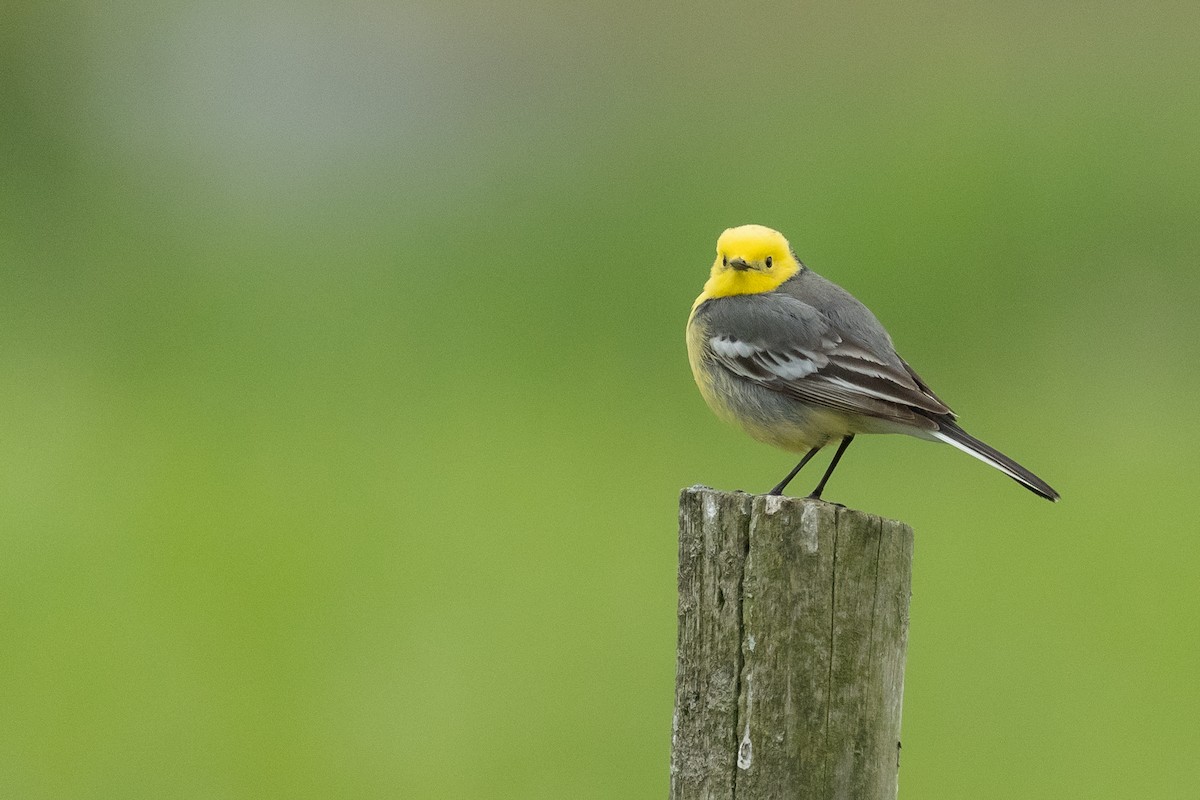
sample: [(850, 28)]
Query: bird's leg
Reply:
[(783, 483), (846, 440)]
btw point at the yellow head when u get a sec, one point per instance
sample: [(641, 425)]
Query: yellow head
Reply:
[(750, 259)]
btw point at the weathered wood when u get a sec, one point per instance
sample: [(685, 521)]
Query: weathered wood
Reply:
[(793, 623)]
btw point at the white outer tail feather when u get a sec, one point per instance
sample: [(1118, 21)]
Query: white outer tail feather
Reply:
[(966, 447)]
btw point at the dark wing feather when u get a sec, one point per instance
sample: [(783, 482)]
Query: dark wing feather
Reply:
[(790, 347)]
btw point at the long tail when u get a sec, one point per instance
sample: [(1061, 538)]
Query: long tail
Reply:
[(952, 434)]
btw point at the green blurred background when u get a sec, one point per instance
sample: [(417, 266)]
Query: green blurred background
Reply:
[(344, 403)]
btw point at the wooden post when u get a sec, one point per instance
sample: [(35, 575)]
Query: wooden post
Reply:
[(793, 623)]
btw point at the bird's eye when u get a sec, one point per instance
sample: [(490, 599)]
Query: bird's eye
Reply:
[(724, 261), (768, 262)]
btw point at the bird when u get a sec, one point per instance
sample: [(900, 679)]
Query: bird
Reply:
[(798, 362)]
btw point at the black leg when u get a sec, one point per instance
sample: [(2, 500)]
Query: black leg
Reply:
[(846, 440), (783, 483)]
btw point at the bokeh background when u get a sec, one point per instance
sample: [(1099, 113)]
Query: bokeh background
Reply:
[(344, 404)]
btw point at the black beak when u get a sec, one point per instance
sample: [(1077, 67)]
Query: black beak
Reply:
[(739, 264)]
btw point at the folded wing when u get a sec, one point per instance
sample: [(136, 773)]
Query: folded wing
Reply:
[(788, 346)]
